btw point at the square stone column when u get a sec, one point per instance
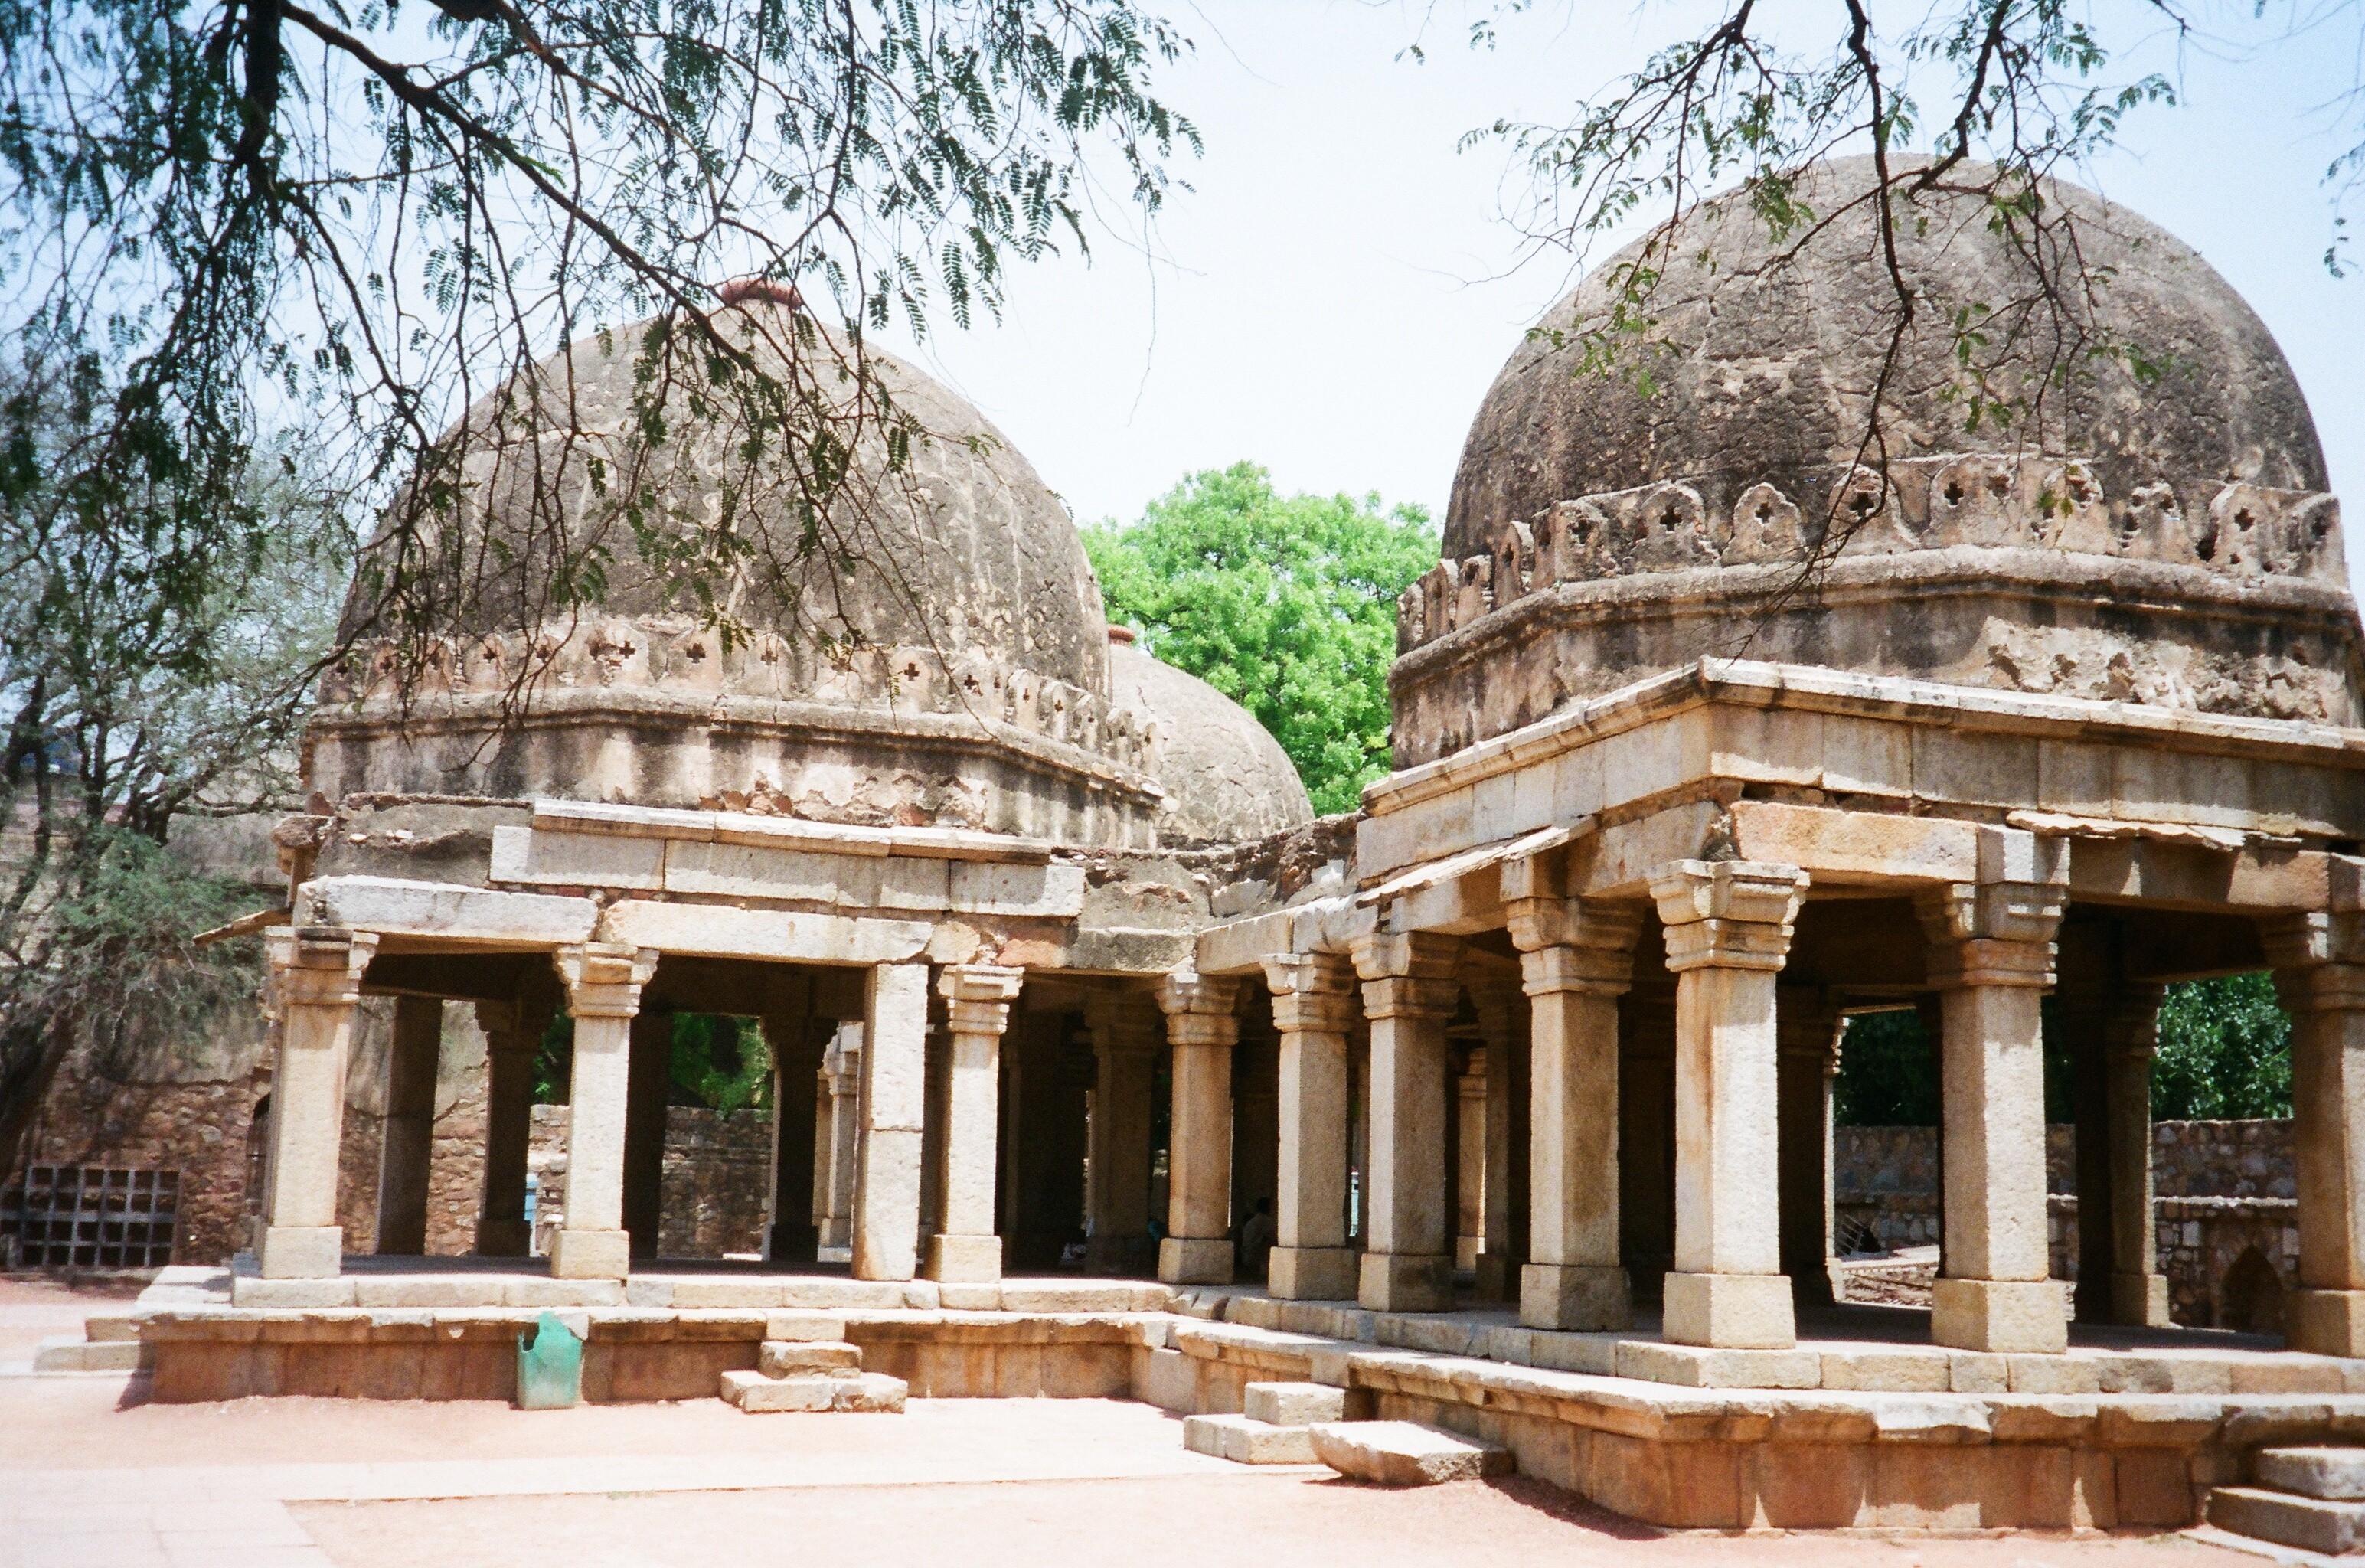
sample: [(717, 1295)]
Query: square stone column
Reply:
[(836, 1133), (1504, 1023), (1576, 958), (1470, 1163), (893, 1114), (407, 1146), (1991, 957), (512, 1039), (1807, 1031), (1201, 1027), (603, 985), (2130, 1040), (2319, 964), (1409, 990), (967, 1250), (1128, 1033), (316, 978), (1728, 928), (1313, 1006)]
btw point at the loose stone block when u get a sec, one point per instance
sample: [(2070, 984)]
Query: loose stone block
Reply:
[(1405, 1453), (1292, 1403), (1246, 1441)]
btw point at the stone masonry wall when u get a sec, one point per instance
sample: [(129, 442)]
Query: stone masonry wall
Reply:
[(717, 1169)]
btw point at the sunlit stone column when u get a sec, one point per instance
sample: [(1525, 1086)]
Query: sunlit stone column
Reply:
[(967, 1250), (893, 1111), (1577, 959), (1409, 990), (1202, 1028), (603, 995), (1728, 928), (1313, 1006), (836, 1134), (512, 1039), (2130, 1040), (2321, 979), (1991, 957), (316, 978)]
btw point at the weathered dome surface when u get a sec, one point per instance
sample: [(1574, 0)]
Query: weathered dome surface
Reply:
[(2161, 538), (1226, 779), (1768, 365)]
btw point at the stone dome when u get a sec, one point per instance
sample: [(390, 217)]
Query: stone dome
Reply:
[(1226, 779), (2149, 525), (1761, 363)]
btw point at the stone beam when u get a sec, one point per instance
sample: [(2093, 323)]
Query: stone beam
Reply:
[(720, 932), (443, 912)]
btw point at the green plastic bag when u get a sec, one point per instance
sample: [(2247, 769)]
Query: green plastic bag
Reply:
[(550, 1366)]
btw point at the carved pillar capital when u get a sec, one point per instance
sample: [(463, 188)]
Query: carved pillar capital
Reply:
[(1198, 1008), (603, 980), (1407, 974), (318, 966), (1311, 992), (980, 996), (1728, 914), (1983, 933), (2131, 1026)]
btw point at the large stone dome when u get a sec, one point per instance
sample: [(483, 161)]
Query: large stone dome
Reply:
[(927, 646), (1226, 779), (2137, 514)]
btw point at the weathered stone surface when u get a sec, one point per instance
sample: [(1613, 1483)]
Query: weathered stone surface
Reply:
[(2311, 1524), (1292, 1403), (861, 1392), (787, 1358), (1245, 1440), (2334, 1474), (1405, 1453)]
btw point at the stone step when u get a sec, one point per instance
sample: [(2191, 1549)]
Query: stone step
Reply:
[(2312, 1524), (846, 1392), (64, 1354), (109, 1327), (1292, 1403), (1245, 1440), (787, 1358), (1405, 1453), (2334, 1474)]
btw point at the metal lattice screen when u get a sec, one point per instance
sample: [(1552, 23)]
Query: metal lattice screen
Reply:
[(90, 1216)]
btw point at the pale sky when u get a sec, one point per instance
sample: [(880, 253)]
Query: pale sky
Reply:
[(1334, 296)]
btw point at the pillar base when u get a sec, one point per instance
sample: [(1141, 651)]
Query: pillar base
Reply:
[(1311, 1273), (302, 1252), (503, 1239), (1467, 1251), (1406, 1282), (963, 1259), (1195, 1260), (2330, 1323), (2140, 1300), (591, 1255), (2028, 1315), (1134, 1253), (1730, 1312), (1575, 1296), (1498, 1276)]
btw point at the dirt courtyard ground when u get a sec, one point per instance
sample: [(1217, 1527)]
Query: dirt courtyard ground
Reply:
[(94, 1476)]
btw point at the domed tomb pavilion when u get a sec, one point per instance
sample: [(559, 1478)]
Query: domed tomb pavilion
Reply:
[(2125, 500)]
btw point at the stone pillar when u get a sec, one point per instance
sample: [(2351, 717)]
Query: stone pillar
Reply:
[(2130, 1039), (967, 1249), (836, 1129), (1576, 958), (1470, 1162), (1728, 928), (894, 1108), (2321, 979), (800, 1132), (603, 985), (513, 1040), (1503, 1249), (1313, 1006), (1807, 1033), (407, 1145), (1126, 1032), (1203, 1031), (316, 978), (648, 1078), (1991, 957), (1409, 990)]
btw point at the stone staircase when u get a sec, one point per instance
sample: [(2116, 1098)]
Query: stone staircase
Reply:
[(2312, 1499), (109, 1344), (816, 1368), (1275, 1424)]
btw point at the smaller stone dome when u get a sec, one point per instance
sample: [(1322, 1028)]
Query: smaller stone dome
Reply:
[(1226, 779)]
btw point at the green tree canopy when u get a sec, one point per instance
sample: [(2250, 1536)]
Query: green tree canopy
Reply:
[(1284, 604)]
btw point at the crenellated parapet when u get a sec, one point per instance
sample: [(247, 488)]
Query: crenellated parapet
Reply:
[(676, 657), (2242, 532)]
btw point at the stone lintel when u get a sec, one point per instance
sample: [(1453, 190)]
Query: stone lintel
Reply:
[(446, 912), (740, 827), (720, 932)]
